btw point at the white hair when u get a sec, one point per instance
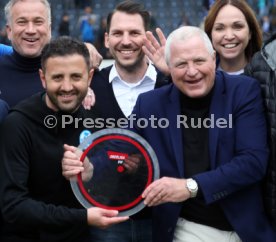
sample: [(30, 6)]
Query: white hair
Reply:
[(11, 3), (184, 33)]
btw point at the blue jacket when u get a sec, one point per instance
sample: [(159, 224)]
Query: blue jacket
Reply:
[(238, 155)]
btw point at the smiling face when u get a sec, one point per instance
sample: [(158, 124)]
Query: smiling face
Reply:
[(29, 29), (192, 67), (230, 34), (66, 80), (125, 39)]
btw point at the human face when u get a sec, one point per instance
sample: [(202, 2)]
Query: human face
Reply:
[(29, 29), (230, 34), (66, 80), (192, 67), (125, 39)]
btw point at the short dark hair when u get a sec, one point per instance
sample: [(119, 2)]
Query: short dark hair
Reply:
[(63, 46), (130, 7)]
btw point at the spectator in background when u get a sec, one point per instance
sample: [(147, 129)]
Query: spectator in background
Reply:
[(235, 33), (207, 4), (87, 25), (81, 4), (4, 37), (184, 21), (64, 28), (87, 30), (100, 45)]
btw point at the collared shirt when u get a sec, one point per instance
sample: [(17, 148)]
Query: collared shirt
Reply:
[(126, 93)]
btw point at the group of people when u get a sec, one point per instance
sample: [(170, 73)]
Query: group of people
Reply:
[(217, 184)]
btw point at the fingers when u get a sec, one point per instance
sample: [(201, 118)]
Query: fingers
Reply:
[(103, 218), (154, 43), (89, 100), (111, 217), (69, 148), (161, 37), (71, 165), (154, 194)]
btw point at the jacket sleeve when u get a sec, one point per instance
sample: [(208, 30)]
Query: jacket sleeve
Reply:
[(18, 205), (242, 156)]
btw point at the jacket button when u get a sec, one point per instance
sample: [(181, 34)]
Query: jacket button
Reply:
[(169, 229)]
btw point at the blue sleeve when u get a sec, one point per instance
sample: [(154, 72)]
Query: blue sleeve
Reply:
[(5, 49)]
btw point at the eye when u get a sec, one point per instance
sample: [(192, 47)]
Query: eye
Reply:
[(76, 77), (199, 61), (21, 22), (218, 28), (181, 65), (238, 26), (116, 34), (57, 78)]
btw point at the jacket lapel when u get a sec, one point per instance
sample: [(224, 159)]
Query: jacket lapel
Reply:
[(175, 134), (216, 108)]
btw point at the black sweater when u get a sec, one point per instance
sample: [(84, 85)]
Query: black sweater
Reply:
[(19, 77), (37, 201)]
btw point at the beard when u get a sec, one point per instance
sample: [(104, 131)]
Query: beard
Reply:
[(66, 106), (133, 66)]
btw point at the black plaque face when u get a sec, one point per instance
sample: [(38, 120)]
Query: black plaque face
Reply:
[(124, 164)]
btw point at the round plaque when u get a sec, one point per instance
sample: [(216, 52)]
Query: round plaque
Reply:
[(124, 164)]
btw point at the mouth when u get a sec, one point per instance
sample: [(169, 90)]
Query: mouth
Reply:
[(230, 46), (193, 82), (67, 97), (126, 53), (30, 40)]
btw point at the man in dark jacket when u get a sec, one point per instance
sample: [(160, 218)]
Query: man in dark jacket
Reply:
[(262, 67)]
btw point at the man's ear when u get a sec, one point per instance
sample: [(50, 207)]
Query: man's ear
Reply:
[(42, 78), (8, 30), (106, 40), (90, 76)]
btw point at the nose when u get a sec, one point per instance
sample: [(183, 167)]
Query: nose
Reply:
[(191, 70), (30, 28), (229, 34), (66, 85), (126, 39)]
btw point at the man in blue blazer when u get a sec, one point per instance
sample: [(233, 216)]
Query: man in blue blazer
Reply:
[(211, 148)]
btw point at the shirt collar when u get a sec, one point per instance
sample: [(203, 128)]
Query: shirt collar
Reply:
[(150, 74)]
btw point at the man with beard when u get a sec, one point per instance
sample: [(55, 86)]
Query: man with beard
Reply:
[(37, 203), (117, 87)]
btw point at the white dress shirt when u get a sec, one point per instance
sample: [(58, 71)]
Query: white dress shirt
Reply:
[(126, 93)]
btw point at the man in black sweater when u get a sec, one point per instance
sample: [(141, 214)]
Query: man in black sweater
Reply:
[(36, 201), (29, 30)]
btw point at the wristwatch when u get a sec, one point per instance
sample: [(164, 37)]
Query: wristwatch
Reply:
[(192, 187)]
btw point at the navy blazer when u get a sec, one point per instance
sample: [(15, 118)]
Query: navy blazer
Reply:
[(238, 155)]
